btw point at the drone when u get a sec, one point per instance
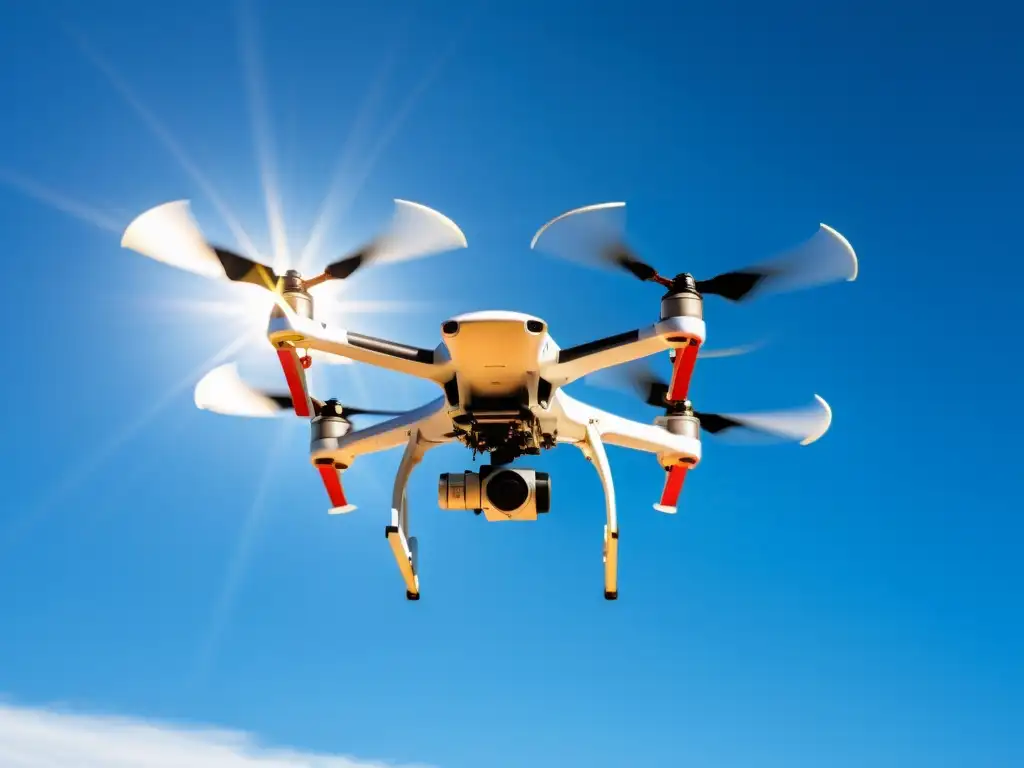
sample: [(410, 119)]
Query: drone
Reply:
[(500, 374)]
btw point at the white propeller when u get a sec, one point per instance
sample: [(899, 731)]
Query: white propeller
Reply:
[(595, 235), (223, 391), (169, 233)]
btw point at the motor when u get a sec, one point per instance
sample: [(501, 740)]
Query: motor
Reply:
[(501, 493)]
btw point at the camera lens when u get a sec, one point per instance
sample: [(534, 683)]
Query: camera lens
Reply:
[(507, 490)]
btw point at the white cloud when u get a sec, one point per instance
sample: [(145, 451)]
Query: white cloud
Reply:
[(53, 738)]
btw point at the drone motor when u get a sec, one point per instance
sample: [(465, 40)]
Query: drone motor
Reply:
[(682, 299), (680, 420), (330, 422), (501, 493), (295, 294)]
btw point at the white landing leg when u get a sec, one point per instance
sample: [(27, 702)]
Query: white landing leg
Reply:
[(403, 546), (593, 449)]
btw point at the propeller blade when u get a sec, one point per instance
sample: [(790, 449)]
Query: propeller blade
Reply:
[(414, 231), (223, 391), (825, 257), (169, 233), (594, 236), (239, 269), (743, 349), (369, 412), (805, 424), (639, 377)]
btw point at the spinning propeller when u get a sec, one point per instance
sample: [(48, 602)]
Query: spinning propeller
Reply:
[(595, 235), (223, 391), (804, 425), (169, 233)]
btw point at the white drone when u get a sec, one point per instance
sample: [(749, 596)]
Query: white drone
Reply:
[(501, 374)]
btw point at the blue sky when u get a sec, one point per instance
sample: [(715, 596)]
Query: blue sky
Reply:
[(853, 603)]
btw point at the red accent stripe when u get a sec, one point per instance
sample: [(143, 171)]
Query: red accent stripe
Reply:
[(682, 372), (332, 482), (292, 374), (673, 485)]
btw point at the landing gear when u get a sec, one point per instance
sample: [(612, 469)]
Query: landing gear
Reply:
[(403, 546), (593, 449)]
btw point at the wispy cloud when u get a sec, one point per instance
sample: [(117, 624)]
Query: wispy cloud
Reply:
[(53, 738)]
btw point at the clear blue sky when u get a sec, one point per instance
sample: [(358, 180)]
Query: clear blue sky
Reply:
[(854, 603)]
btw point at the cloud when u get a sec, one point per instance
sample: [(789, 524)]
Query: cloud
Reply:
[(53, 738)]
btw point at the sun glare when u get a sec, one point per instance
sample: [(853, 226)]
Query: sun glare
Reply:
[(253, 305)]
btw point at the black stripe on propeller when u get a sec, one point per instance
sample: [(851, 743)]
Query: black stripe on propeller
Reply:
[(595, 235), (223, 391), (805, 424), (240, 269)]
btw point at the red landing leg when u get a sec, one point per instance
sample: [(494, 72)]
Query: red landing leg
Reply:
[(292, 366), (332, 483), (676, 476), (682, 371)]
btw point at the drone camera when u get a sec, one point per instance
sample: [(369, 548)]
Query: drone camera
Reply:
[(501, 493)]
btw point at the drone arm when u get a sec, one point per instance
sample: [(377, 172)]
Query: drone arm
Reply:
[(676, 453), (332, 456), (651, 438), (576, 362), (286, 329)]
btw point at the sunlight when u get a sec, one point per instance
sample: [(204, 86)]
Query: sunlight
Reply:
[(102, 453), (254, 305), (249, 40), (335, 204), (257, 308), (240, 557), (59, 202), (160, 131)]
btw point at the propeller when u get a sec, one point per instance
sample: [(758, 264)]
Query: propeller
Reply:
[(804, 424), (169, 233), (223, 391), (595, 235)]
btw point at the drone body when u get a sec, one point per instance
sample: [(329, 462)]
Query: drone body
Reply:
[(500, 377)]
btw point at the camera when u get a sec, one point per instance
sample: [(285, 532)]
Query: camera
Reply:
[(501, 493)]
